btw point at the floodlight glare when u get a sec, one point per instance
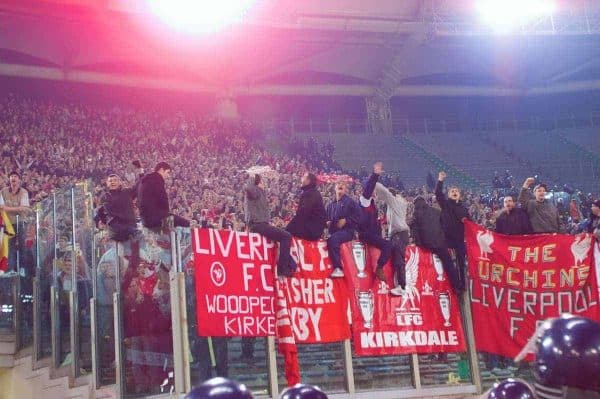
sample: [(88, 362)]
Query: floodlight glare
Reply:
[(198, 16), (506, 15)]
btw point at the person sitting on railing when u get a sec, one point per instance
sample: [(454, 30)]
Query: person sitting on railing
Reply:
[(153, 200), (14, 200), (369, 228), (258, 218), (342, 221), (309, 221), (453, 214), (116, 210)]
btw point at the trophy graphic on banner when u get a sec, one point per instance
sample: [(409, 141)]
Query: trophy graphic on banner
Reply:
[(360, 258), (366, 304), (439, 268), (444, 301)]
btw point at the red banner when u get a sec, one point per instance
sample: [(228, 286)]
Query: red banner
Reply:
[(235, 291), (234, 283), (425, 320), (318, 305), (517, 282)]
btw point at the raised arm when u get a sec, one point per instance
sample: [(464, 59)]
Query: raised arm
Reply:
[(439, 189), (525, 194)]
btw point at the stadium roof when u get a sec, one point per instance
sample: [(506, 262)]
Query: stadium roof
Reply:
[(308, 47)]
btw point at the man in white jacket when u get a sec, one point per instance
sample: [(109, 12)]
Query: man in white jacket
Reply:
[(398, 231)]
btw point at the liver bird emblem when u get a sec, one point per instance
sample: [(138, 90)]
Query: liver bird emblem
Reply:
[(412, 273), (581, 247), (485, 240)]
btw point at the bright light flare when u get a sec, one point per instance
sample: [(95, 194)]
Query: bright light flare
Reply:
[(200, 16), (506, 15)]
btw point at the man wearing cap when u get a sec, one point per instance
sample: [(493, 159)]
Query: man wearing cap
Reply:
[(544, 216), (116, 209)]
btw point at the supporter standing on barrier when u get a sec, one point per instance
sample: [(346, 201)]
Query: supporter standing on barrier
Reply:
[(258, 218), (369, 229), (398, 231), (310, 218), (512, 220), (427, 232), (342, 221), (116, 210), (14, 200), (544, 216), (153, 200), (452, 216)]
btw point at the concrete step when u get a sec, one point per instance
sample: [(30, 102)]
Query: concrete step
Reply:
[(7, 348)]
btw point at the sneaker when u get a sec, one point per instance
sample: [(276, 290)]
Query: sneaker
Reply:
[(337, 273), (398, 291)]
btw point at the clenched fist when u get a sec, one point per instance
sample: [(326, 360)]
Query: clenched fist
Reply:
[(442, 176), (528, 182)]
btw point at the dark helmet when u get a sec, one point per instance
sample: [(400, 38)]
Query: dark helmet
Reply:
[(219, 388), (303, 391), (511, 388), (567, 354)]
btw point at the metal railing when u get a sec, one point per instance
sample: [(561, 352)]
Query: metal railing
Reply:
[(126, 313), (400, 126)]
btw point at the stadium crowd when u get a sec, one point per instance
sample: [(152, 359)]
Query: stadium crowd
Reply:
[(55, 145)]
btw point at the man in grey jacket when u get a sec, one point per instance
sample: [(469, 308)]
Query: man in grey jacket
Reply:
[(544, 216), (258, 217), (398, 231)]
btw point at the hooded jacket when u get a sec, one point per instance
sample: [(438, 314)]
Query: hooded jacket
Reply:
[(310, 218), (153, 200), (425, 226)]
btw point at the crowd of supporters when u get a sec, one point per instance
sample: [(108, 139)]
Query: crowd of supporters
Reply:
[(54, 145)]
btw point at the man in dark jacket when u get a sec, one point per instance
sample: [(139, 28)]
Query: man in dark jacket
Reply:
[(369, 229), (310, 218), (452, 216), (116, 210), (543, 215), (153, 200), (258, 218), (427, 232), (512, 220), (342, 221)]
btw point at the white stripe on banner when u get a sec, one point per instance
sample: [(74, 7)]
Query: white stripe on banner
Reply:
[(287, 340), (283, 322)]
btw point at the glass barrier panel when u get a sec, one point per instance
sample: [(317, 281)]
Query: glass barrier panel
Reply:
[(45, 237), (242, 359), (8, 283), (84, 251), (147, 346), (495, 368), (25, 240), (382, 372), (320, 364), (105, 275), (65, 257)]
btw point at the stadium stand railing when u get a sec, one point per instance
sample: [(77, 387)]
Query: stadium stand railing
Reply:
[(74, 306)]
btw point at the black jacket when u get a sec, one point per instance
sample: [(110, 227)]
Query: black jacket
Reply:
[(514, 223), (117, 212), (452, 214), (369, 216), (310, 218), (425, 227), (153, 201)]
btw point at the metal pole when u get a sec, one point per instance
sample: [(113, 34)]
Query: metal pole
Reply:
[(272, 367), (416, 371), (348, 367), (73, 300), (118, 332), (470, 335)]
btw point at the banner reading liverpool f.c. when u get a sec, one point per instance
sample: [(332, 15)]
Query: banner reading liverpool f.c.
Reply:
[(517, 282), (424, 320), (235, 290), (234, 283)]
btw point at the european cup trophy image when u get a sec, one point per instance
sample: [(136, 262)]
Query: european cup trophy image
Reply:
[(444, 301), (360, 258), (366, 303), (439, 268)]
